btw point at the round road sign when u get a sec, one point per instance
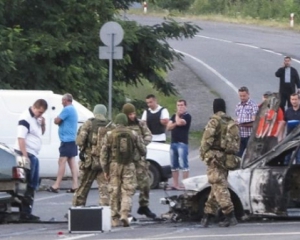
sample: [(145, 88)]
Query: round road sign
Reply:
[(111, 31)]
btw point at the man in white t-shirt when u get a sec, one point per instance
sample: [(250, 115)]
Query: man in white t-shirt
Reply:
[(157, 118)]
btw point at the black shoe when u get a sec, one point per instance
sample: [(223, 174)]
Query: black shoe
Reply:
[(206, 220), (230, 220), (146, 211), (27, 217)]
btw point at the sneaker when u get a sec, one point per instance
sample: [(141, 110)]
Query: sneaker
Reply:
[(115, 222), (146, 211), (27, 217)]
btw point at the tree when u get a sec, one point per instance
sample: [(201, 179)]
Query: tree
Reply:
[(181, 5), (53, 44)]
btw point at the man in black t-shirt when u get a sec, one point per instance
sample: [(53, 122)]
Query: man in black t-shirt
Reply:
[(179, 125)]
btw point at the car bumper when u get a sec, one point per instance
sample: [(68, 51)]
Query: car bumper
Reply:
[(166, 172)]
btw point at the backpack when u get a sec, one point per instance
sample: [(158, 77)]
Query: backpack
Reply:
[(93, 134), (229, 140), (229, 135), (123, 145)]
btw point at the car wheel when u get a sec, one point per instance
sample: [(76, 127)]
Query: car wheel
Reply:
[(154, 176), (199, 204)]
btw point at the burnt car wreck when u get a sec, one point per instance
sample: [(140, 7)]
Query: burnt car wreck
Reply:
[(267, 184)]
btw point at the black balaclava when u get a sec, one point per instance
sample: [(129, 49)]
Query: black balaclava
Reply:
[(219, 105)]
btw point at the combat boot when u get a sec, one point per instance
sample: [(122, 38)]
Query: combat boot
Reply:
[(230, 220), (206, 220), (115, 222), (124, 219), (146, 211)]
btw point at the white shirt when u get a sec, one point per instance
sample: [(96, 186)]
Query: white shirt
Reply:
[(30, 129), (164, 115)]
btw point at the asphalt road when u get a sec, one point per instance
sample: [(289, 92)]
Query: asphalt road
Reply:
[(226, 57)]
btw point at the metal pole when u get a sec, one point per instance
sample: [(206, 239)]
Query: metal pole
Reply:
[(110, 77)]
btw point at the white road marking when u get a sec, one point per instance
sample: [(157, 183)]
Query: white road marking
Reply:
[(238, 235), (55, 196), (225, 80), (245, 45), (78, 237)]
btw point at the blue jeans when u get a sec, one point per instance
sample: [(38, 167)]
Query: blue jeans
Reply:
[(179, 156), (34, 176), (243, 146)]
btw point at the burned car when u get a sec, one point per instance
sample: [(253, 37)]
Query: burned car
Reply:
[(14, 171), (267, 184)]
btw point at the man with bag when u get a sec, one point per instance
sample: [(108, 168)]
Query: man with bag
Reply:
[(90, 163), (219, 144), (116, 157)]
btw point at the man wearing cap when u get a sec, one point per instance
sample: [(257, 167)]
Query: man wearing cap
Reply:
[(90, 164), (289, 80), (141, 164)]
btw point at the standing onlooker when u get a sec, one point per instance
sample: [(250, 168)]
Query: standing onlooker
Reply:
[(245, 112), (179, 125), (293, 113), (157, 118), (215, 155), (31, 127), (289, 80), (87, 141), (117, 155), (67, 122), (141, 165)]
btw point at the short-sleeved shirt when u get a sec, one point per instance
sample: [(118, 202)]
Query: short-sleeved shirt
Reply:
[(291, 114), (180, 134), (246, 112), (30, 129), (164, 115), (68, 127)]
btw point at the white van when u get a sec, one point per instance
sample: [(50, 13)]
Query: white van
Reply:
[(14, 102)]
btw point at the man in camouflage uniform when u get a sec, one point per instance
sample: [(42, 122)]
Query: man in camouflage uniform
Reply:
[(142, 166), (119, 171), (90, 165), (214, 157)]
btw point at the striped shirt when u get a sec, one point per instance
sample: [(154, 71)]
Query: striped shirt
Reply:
[(246, 112)]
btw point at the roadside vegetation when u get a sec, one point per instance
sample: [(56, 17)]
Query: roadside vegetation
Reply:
[(272, 13)]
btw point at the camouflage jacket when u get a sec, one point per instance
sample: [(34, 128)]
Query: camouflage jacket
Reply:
[(210, 138), (143, 131), (107, 154), (82, 138)]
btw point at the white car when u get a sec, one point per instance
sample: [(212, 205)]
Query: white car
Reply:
[(266, 185), (14, 102)]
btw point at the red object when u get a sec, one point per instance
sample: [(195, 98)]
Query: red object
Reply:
[(60, 233)]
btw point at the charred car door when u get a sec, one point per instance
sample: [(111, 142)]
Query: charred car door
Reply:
[(274, 181)]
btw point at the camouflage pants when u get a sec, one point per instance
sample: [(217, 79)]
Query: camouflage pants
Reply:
[(122, 185), (87, 178), (219, 194), (142, 175)]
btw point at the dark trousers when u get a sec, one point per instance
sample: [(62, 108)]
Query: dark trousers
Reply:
[(285, 99), (243, 145)]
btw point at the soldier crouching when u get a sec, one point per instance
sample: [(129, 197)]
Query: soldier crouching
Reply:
[(117, 153)]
